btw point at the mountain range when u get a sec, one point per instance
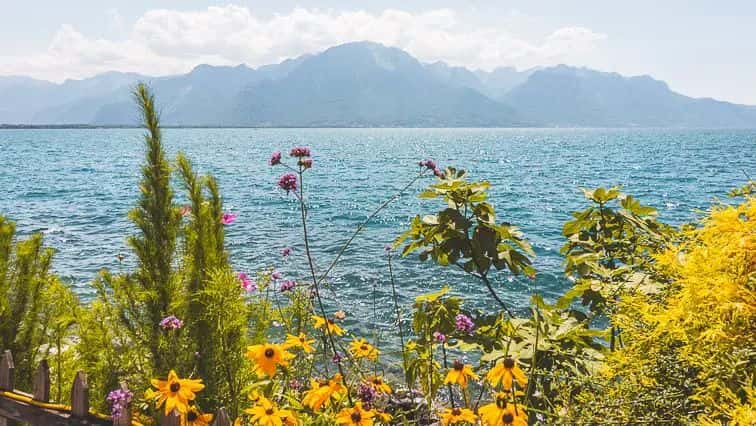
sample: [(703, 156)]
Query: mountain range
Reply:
[(365, 84)]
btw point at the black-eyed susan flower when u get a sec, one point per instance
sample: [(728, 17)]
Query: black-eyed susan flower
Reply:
[(460, 373), (503, 413), (332, 327), (175, 392), (267, 357), (377, 383), (360, 348), (505, 372), (455, 416), (265, 413), (300, 341), (355, 416), (321, 392), (195, 417)]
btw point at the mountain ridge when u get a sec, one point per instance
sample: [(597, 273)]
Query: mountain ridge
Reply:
[(366, 84)]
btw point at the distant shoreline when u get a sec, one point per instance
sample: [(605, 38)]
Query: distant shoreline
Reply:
[(168, 126)]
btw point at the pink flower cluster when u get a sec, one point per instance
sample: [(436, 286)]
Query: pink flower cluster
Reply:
[(247, 283), (439, 337), (275, 158), (288, 285), (300, 152), (171, 323), (464, 324), (286, 251), (431, 165), (227, 218), (288, 182)]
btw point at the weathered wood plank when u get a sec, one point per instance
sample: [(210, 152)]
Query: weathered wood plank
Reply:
[(221, 418), (27, 413), (42, 382), (80, 396), (7, 368), (172, 419)]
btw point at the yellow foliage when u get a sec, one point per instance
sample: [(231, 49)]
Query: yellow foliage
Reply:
[(704, 323)]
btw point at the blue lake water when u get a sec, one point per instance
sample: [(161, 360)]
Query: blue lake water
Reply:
[(77, 186)]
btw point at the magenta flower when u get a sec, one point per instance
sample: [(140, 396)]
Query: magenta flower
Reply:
[(247, 283), (428, 164), (286, 251), (464, 324), (439, 337), (275, 158), (228, 218), (439, 174), (300, 151), (171, 323), (276, 275), (288, 285), (288, 182), (119, 400), (306, 163)]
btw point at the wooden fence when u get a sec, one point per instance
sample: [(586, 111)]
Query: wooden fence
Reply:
[(36, 408)]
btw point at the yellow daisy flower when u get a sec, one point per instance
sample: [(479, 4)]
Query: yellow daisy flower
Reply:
[(360, 348), (455, 416), (333, 328), (267, 357), (300, 341), (505, 372), (176, 392), (265, 413), (379, 385), (355, 416), (502, 413), (195, 417), (460, 373), (321, 392)]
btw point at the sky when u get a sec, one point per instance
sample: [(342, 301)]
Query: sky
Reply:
[(700, 48)]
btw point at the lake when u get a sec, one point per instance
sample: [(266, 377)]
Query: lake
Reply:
[(76, 186)]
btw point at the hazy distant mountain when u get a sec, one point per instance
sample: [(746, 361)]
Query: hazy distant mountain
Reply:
[(368, 84), (568, 96)]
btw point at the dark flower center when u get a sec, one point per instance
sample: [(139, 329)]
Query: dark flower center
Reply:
[(269, 353), (458, 365), (330, 321), (456, 412), (509, 363), (377, 381), (356, 417), (192, 416), (269, 411), (364, 347), (507, 418), (175, 387)]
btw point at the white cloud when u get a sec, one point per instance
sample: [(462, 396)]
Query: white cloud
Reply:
[(168, 41)]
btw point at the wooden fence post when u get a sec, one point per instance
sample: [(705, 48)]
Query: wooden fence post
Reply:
[(221, 418), (172, 419), (6, 371), (41, 389), (80, 396), (125, 418)]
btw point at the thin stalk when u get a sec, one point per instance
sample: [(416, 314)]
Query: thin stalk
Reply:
[(446, 367), (365, 222), (315, 281), (398, 320)]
